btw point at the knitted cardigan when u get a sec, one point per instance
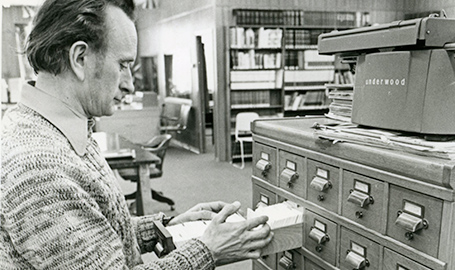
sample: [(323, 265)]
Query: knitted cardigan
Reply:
[(60, 210)]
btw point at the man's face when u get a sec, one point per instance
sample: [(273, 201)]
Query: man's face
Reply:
[(109, 76)]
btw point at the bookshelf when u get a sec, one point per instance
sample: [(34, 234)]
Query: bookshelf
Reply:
[(274, 67)]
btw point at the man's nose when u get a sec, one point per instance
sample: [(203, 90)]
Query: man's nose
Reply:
[(126, 84)]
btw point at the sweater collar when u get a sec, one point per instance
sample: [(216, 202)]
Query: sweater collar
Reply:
[(73, 125)]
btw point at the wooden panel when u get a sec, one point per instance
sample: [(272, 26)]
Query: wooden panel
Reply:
[(372, 214), (327, 198), (395, 261), (285, 238), (290, 163), (327, 249), (426, 239), (309, 265), (260, 265), (263, 154)]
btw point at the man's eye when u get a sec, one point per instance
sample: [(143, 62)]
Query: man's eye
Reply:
[(123, 66)]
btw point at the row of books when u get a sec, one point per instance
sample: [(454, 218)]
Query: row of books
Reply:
[(249, 99), (307, 59), (252, 59), (301, 18), (241, 37), (344, 77), (301, 100), (301, 38)]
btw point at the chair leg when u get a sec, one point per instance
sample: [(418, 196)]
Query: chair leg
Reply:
[(131, 196), (161, 198), (241, 155), (232, 161), (158, 196)]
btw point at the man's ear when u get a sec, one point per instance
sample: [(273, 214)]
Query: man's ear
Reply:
[(78, 59)]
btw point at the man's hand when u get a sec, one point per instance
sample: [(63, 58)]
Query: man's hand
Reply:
[(235, 241), (201, 211)]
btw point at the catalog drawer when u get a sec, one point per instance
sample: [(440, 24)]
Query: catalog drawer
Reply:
[(363, 200), (290, 259), (415, 219), (265, 163), (323, 184), (358, 252), (395, 261), (320, 236), (266, 262), (292, 173), (263, 196)]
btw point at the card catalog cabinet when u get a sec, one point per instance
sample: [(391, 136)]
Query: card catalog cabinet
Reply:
[(365, 207)]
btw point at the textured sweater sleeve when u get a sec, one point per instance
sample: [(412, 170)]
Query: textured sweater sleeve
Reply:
[(55, 224)]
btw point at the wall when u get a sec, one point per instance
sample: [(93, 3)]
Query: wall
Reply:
[(412, 6), (10, 64), (172, 30)]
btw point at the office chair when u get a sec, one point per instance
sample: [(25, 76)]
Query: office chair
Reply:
[(170, 123), (157, 145), (243, 132)]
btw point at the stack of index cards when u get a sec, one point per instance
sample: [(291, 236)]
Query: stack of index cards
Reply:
[(194, 229), (280, 215)]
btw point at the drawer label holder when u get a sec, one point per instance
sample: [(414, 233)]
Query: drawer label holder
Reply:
[(320, 184), (289, 176), (413, 221), (264, 166), (359, 198)]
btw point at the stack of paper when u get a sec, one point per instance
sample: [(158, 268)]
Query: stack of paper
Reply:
[(394, 140)]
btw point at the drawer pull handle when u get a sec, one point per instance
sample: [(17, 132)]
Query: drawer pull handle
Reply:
[(356, 261), (264, 166), (319, 236), (320, 184), (360, 198), (410, 223), (289, 176), (286, 263)]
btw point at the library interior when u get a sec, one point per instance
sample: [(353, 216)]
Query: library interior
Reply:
[(326, 116)]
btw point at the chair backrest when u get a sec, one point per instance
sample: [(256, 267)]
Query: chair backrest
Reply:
[(243, 122), (175, 114), (158, 146), (184, 114)]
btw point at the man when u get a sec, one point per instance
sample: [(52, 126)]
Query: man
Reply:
[(60, 205)]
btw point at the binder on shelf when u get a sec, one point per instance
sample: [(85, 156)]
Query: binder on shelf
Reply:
[(308, 76), (313, 60)]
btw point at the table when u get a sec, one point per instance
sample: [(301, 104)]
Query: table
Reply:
[(142, 159)]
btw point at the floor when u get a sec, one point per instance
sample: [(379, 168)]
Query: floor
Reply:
[(191, 178)]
